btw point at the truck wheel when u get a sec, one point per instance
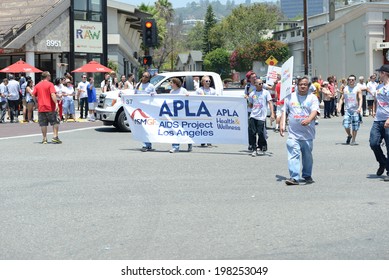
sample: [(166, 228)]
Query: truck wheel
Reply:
[(122, 123)]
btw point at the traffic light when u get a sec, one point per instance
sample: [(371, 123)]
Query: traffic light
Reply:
[(150, 33), (147, 60)]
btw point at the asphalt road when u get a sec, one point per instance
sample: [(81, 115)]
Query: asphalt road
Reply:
[(96, 196)]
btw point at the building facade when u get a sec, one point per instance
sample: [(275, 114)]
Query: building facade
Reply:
[(62, 35), (351, 44)]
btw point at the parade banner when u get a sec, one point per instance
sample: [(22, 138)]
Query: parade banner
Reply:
[(272, 72), (166, 118), (286, 78)]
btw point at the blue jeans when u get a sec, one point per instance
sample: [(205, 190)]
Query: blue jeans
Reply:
[(377, 133), (84, 104), (299, 149), (3, 110), (147, 145)]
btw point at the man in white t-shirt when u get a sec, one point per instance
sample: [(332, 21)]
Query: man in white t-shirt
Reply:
[(83, 97), (371, 93), (258, 101), (301, 107)]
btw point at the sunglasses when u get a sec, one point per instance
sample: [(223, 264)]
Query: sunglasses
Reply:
[(207, 81), (260, 84), (84, 77)]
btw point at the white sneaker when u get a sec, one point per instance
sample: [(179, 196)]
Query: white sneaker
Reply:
[(254, 154), (260, 153), (172, 151), (353, 143)]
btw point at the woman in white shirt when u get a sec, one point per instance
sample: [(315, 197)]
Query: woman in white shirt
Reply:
[(206, 88), (68, 101), (178, 89)]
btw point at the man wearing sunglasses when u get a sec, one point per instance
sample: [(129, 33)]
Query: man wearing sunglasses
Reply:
[(258, 101), (352, 98), (83, 96)]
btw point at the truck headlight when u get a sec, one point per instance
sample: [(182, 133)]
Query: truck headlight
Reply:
[(109, 102)]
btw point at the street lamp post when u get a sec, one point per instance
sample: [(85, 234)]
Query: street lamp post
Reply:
[(305, 38)]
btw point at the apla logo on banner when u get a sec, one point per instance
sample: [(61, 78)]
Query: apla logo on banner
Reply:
[(187, 119)]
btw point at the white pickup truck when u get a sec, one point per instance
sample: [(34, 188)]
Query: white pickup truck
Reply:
[(110, 107)]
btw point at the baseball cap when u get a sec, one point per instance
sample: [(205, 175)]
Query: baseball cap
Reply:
[(248, 74), (384, 68)]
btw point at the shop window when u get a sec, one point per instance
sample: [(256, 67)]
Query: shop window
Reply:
[(88, 10)]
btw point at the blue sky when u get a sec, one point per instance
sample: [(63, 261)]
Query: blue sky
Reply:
[(182, 3)]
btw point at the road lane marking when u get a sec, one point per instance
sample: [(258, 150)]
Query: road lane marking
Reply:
[(50, 133)]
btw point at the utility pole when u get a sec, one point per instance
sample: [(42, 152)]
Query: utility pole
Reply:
[(305, 38)]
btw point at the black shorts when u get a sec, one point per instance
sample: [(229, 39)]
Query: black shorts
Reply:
[(44, 118)]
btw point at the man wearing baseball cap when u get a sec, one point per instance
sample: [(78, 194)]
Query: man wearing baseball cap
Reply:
[(380, 128)]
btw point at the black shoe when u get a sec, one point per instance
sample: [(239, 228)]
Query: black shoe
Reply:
[(348, 139), (291, 181), (308, 180), (264, 149), (146, 149), (380, 170)]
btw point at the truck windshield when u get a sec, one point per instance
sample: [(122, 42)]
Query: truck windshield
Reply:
[(154, 80)]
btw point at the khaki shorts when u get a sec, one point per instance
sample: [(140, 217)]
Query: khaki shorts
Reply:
[(92, 106), (44, 118)]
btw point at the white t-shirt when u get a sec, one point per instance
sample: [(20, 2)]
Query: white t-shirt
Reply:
[(363, 88), (68, 90), (350, 99), (372, 86), (58, 91), (82, 86), (129, 85), (180, 90), (147, 88), (13, 90), (3, 90), (382, 96), (298, 108), (259, 99), (205, 91)]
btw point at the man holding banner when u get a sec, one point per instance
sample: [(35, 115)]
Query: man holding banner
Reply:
[(145, 87), (301, 108)]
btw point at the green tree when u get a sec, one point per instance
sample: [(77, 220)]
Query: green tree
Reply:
[(245, 25), (163, 13), (194, 39), (242, 57), (165, 9), (209, 23), (218, 61)]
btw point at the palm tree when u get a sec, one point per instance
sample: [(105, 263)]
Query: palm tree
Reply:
[(165, 9)]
